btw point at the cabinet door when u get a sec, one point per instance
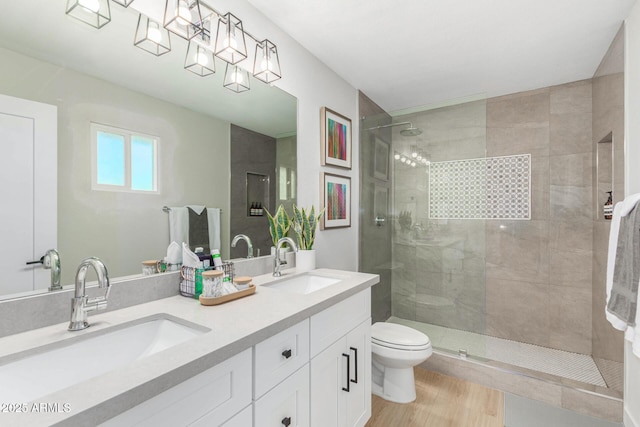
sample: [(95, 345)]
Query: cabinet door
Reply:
[(328, 377), (279, 356), (286, 405), (210, 398), (358, 399)]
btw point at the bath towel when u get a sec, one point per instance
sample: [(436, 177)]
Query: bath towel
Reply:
[(623, 299), (179, 227), (621, 209)]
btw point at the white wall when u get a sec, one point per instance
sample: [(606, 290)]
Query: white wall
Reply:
[(632, 185), (315, 86)]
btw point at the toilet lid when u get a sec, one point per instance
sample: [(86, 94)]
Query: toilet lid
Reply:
[(398, 336)]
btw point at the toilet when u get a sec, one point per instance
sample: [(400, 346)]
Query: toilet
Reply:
[(395, 350)]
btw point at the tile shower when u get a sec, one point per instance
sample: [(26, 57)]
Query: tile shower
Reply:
[(496, 259), (497, 240)]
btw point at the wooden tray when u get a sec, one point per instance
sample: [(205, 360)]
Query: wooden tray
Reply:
[(229, 297)]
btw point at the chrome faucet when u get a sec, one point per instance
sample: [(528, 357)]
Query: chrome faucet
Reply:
[(80, 303), (51, 261), (277, 262), (246, 239)]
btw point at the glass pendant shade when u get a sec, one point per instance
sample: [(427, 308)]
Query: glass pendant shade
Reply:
[(266, 66), (124, 3), (199, 60), (93, 12), (152, 37), (230, 43), (236, 79), (183, 18)]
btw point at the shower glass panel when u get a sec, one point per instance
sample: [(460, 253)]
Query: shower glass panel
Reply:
[(438, 226)]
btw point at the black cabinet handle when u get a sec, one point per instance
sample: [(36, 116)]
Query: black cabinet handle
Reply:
[(347, 389), (286, 354), (286, 421), (355, 381)]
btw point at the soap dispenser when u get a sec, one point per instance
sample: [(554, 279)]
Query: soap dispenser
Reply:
[(608, 207)]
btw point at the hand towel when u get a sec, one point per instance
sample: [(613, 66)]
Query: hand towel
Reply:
[(190, 259), (174, 253), (179, 224), (632, 334), (623, 297), (213, 216), (199, 230)]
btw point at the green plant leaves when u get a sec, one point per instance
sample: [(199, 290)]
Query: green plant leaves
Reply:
[(305, 225), (279, 224)]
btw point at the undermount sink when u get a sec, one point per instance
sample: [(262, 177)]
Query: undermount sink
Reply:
[(50, 368), (304, 284)]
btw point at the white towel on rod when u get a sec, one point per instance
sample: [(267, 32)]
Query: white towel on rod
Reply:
[(179, 224), (631, 334)]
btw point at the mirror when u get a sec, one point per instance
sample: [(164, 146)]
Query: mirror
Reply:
[(99, 76)]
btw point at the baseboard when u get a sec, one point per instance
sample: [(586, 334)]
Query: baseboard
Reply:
[(628, 419)]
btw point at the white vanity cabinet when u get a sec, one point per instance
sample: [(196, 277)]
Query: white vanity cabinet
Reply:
[(281, 385), (315, 373), (341, 363), (210, 399)]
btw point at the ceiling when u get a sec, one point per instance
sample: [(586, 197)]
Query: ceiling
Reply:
[(41, 29), (412, 53)]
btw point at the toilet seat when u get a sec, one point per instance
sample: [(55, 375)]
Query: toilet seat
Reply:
[(392, 335)]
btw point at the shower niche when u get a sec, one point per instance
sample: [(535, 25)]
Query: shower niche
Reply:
[(257, 194)]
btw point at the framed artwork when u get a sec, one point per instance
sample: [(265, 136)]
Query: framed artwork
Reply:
[(336, 139), (381, 160), (336, 199)]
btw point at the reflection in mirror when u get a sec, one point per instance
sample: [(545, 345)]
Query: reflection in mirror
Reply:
[(99, 77)]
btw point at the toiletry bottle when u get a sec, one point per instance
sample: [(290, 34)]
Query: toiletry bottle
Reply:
[(204, 258), (608, 207)]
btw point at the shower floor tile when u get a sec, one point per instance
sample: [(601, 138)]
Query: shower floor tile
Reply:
[(574, 366)]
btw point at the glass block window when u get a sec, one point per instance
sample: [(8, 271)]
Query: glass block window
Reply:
[(485, 188), (123, 160)]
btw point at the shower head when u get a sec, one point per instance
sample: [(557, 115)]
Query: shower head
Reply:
[(411, 131)]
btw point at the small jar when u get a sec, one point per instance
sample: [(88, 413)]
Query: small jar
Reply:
[(149, 267), (242, 282), (212, 283)]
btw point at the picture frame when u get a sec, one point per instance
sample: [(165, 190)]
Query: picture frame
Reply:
[(336, 200), (381, 151), (335, 139)]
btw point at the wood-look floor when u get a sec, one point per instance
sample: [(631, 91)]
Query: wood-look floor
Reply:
[(442, 401)]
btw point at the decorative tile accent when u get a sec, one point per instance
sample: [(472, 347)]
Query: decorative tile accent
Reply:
[(485, 188)]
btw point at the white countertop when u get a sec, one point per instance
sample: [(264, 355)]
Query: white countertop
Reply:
[(235, 326)]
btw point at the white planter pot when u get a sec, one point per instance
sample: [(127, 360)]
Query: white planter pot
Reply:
[(305, 260)]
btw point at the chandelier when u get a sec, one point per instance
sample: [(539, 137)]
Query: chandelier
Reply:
[(210, 34)]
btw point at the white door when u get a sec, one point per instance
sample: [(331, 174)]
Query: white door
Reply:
[(28, 191)]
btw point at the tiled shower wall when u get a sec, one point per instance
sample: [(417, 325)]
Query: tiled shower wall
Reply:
[(528, 281), (538, 271), (251, 152), (608, 125)]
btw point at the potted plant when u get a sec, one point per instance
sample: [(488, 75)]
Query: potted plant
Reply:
[(305, 224), (279, 225)]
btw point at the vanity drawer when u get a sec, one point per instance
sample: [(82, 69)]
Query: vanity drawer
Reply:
[(213, 396), (331, 324), (279, 356), (287, 404)]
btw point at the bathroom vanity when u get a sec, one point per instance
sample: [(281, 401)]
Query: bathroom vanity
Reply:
[(285, 356)]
